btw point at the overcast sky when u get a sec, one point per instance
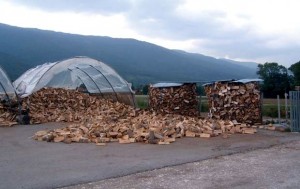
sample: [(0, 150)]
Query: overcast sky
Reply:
[(247, 30)]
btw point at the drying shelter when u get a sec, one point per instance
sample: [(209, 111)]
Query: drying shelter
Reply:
[(9, 105), (8, 95), (235, 100), (80, 73), (174, 98)]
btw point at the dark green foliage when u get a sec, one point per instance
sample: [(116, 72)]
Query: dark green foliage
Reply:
[(200, 90), (295, 68), (277, 81), (142, 101), (145, 89)]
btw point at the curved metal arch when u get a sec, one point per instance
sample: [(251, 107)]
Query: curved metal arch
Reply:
[(5, 93), (18, 99), (117, 74), (84, 82), (55, 63), (44, 74), (90, 78), (107, 82), (132, 94)]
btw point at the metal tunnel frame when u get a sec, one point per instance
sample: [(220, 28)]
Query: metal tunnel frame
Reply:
[(5, 92), (107, 81), (4, 74), (88, 76)]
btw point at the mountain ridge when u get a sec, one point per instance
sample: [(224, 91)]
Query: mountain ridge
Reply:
[(137, 61)]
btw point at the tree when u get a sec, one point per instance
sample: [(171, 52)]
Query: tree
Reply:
[(145, 89), (295, 68), (277, 81), (200, 90)]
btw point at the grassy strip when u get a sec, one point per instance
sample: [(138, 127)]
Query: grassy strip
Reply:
[(142, 101)]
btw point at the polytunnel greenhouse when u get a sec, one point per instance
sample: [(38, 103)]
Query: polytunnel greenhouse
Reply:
[(7, 91), (80, 73)]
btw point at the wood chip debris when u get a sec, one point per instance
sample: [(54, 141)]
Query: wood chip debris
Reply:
[(101, 121)]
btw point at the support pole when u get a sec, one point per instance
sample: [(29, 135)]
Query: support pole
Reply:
[(200, 104), (278, 105), (286, 106)]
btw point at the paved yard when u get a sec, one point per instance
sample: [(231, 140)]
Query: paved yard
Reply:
[(26, 163), (276, 167)]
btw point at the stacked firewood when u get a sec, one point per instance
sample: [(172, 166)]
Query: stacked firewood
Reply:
[(180, 100), (234, 101), (101, 121)]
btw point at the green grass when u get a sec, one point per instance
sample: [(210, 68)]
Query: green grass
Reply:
[(142, 101), (269, 108)]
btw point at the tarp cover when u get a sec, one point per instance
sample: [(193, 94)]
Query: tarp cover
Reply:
[(235, 81), (161, 85)]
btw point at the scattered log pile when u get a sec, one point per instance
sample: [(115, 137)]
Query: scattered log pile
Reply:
[(234, 101), (143, 127), (101, 121), (180, 100), (7, 115)]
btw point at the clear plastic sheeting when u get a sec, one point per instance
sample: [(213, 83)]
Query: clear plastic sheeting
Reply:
[(248, 80), (7, 91), (25, 83), (235, 81), (82, 73), (162, 85)]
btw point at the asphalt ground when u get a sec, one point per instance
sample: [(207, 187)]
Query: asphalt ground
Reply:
[(275, 167), (26, 163)]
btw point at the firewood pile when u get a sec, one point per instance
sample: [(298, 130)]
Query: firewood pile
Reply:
[(180, 100), (7, 116), (234, 101), (101, 121)]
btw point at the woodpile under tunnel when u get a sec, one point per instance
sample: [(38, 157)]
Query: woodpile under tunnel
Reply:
[(61, 105)]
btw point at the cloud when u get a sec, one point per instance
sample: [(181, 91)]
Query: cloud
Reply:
[(254, 30), (249, 31), (86, 6)]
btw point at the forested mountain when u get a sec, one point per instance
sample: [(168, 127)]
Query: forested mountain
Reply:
[(137, 61)]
